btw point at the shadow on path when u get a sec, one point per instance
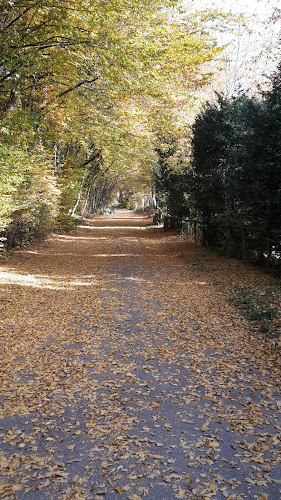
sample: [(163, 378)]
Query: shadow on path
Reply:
[(125, 374)]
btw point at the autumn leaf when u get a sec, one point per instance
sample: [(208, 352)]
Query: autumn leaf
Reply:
[(76, 339), (213, 444)]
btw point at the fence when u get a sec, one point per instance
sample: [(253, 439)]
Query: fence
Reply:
[(249, 243)]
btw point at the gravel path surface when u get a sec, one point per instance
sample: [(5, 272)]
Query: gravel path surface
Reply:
[(126, 374)]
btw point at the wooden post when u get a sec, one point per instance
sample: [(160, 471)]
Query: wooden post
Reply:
[(228, 239), (268, 249), (243, 244)]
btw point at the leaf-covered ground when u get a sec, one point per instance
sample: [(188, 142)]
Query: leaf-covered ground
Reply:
[(126, 372)]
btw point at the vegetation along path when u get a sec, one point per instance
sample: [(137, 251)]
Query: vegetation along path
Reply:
[(125, 372)]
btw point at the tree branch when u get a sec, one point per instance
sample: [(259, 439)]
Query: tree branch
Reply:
[(94, 157), (18, 17), (77, 86)]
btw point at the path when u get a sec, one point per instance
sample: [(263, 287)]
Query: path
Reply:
[(126, 375)]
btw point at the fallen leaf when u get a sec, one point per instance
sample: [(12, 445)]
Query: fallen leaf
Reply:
[(213, 444)]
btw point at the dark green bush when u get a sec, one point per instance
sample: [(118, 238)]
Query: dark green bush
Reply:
[(65, 223)]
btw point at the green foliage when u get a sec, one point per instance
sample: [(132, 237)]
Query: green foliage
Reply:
[(28, 226), (171, 181), (12, 169), (65, 222), (40, 222), (236, 163), (236, 171), (80, 85), (258, 305), (232, 184), (226, 146), (27, 189)]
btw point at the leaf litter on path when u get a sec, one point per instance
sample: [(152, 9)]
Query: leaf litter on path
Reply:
[(125, 373)]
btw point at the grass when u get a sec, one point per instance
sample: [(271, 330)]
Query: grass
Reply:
[(258, 305)]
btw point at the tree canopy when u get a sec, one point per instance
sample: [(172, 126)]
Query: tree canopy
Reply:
[(95, 97), (230, 180), (82, 87)]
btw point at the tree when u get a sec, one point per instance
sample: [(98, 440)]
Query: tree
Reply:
[(83, 77), (272, 151), (236, 168), (171, 181)]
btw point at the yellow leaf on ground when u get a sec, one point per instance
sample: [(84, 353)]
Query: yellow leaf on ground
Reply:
[(214, 444), (213, 488), (17, 487)]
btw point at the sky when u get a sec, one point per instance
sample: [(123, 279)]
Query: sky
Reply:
[(253, 50), (260, 7)]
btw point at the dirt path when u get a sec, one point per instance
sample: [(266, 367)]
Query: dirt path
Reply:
[(125, 374)]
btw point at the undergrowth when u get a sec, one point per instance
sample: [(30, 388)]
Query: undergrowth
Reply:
[(258, 305), (255, 293)]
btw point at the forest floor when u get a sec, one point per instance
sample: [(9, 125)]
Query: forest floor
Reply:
[(127, 373)]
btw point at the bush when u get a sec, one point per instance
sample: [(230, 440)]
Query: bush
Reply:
[(65, 223), (257, 305)]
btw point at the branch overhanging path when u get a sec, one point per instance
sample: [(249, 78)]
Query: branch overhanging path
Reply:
[(125, 374)]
